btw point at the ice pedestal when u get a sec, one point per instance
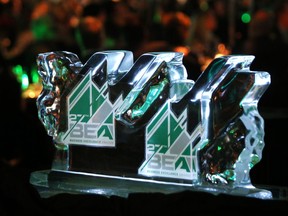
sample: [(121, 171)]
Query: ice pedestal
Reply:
[(50, 183)]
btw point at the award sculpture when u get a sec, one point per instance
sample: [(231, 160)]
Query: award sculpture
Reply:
[(121, 126)]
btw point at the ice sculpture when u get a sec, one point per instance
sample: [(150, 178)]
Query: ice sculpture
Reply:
[(145, 120)]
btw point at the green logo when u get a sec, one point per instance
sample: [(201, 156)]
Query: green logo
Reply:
[(90, 115), (169, 151)]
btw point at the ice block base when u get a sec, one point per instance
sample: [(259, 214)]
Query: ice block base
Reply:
[(50, 182)]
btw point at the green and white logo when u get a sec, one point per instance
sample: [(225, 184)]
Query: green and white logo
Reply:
[(90, 115), (169, 151)]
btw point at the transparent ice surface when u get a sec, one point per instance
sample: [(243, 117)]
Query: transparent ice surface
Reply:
[(144, 119)]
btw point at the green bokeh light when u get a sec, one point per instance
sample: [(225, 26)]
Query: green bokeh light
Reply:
[(21, 76), (25, 81), (34, 75), (18, 71), (246, 18)]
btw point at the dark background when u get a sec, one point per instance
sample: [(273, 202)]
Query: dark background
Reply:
[(29, 27)]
